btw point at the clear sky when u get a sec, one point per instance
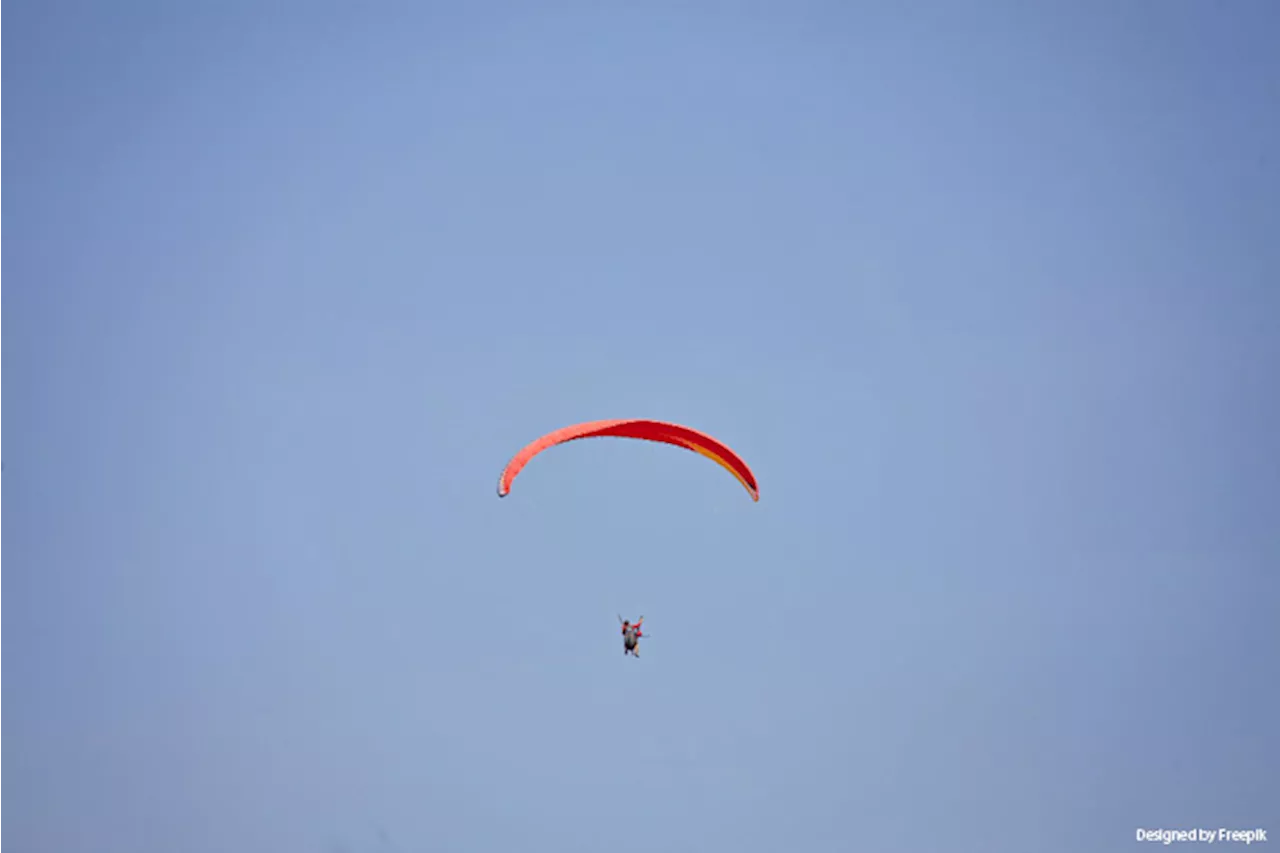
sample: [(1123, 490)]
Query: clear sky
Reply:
[(987, 293)]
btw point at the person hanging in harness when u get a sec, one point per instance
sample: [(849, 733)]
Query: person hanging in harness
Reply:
[(631, 635)]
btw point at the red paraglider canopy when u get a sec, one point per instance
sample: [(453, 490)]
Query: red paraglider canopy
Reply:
[(667, 433)]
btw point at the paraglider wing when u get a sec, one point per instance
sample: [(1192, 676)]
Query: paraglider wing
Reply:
[(667, 433)]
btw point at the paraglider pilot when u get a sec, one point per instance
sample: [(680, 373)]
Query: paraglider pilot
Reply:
[(631, 635)]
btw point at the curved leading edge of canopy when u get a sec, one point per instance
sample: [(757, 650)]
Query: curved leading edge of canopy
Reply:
[(667, 433)]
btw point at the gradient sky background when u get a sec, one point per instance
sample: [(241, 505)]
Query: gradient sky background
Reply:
[(987, 293)]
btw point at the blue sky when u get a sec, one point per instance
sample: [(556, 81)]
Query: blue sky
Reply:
[(985, 293)]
